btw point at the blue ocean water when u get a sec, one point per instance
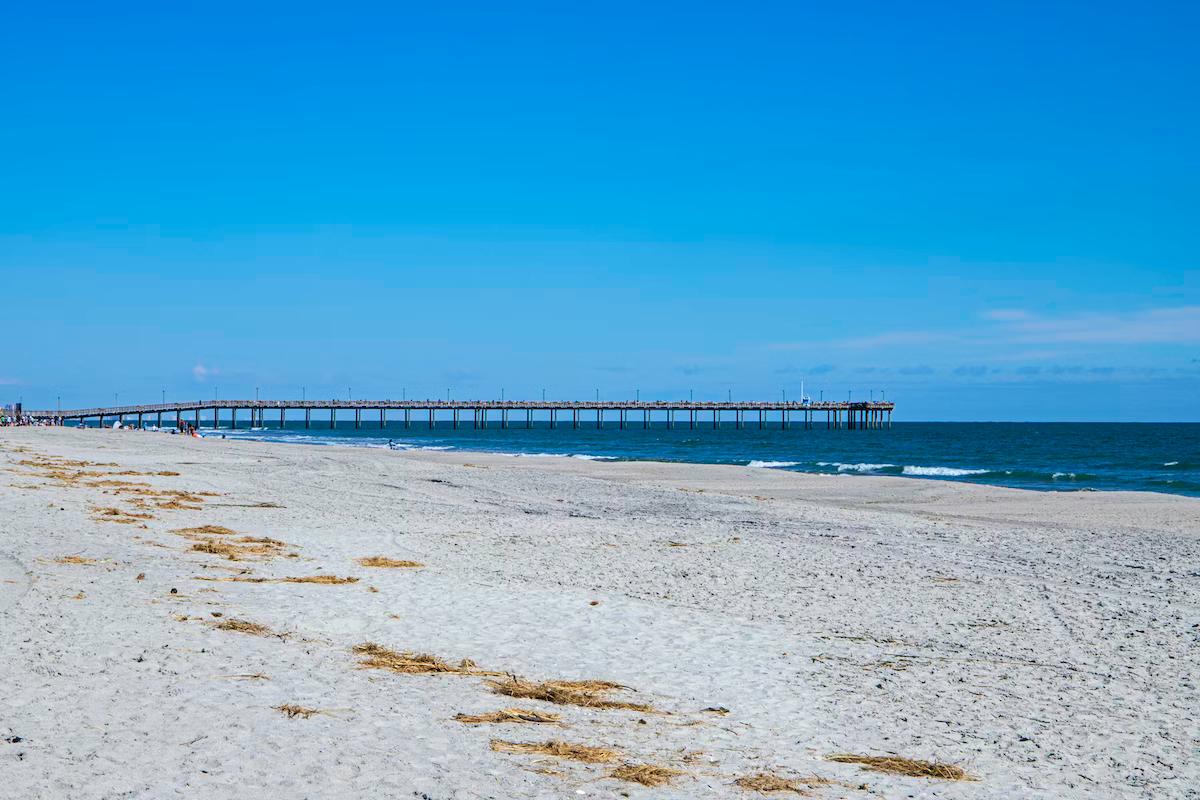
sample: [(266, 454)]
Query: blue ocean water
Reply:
[(1057, 456), (1044, 456)]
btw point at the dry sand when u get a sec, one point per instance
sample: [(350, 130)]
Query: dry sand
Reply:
[(1044, 643)]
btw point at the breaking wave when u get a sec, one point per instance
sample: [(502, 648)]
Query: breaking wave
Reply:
[(862, 467), (943, 472)]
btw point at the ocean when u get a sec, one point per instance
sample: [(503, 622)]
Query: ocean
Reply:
[(1042, 456)]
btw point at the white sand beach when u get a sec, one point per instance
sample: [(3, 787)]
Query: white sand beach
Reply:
[(1044, 643)]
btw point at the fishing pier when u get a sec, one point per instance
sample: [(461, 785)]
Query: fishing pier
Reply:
[(480, 414)]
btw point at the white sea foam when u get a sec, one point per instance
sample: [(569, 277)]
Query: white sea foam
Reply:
[(945, 472), (1058, 475), (1170, 463), (840, 467), (581, 456), (773, 464)]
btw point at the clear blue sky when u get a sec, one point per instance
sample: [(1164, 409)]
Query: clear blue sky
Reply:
[(990, 211)]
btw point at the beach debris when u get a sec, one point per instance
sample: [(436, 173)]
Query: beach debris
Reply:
[(327, 579), (141, 576), (897, 765), (722, 710), (175, 505), (247, 676), (588, 694), (215, 548), (243, 626), (384, 561), (574, 752), (110, 514), (71, 474), (265, 504), (108, 482), (509, 715), (294, 711), (242, 547), (645, 774), (765, 783), (205, 530), (376, 656), (42, 461), (163, 498), (65, 471), (74, 560), (79, 596)]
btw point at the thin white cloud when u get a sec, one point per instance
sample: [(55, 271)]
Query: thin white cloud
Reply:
[(1154, 326), (1006, 314), (896, 338), (1179, 325), (202, 373)]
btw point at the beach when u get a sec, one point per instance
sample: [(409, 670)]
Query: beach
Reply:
[(747, 624)]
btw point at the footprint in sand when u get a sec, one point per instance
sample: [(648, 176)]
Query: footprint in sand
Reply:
[(14, 581)]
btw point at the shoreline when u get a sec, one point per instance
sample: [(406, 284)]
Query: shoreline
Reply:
[(1065, 465), (824, 483), (993, 628)]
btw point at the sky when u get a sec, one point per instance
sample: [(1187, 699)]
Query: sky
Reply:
[(987, 211)]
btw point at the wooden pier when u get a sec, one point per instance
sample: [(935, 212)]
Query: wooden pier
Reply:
[(505, 413)]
